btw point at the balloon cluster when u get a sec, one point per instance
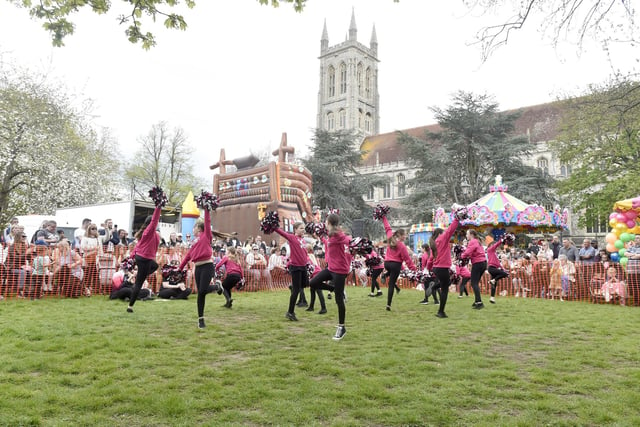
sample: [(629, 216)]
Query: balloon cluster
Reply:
[(172, 274), (207, 201), (360, 246), (270, 222), (460, 212), (508, 239), (624, 227), (128, 264), (316, 228), (158, 197), (380, 211)]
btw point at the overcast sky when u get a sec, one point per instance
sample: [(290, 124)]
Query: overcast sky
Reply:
[(243, 73)]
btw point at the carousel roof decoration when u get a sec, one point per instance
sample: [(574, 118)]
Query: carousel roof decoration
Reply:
[(500, 211)]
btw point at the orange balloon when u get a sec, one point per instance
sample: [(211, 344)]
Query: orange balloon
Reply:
[(611, 238), (611, 247)]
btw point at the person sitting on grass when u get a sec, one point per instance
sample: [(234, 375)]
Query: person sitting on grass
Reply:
[(613, 287)]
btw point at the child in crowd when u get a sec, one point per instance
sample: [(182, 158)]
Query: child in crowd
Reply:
[(613, 287), (555, 280)]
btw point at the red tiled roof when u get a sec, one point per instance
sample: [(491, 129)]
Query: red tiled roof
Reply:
[(539, 122)]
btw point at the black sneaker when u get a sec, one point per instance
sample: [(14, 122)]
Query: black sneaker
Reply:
[(323, 311), (129, 309), (379, 293), (309, 309), (219, 285), (424, 302), (397, 290), (388, 308), (477, 306), (371, 294), (291, 316), (329, 295), (201, 324), (302, 304), (340, 332), (441, 314)]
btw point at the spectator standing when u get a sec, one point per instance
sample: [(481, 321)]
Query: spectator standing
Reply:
[(555, 246), (7, 234), (79, 233), (569, 250), (587, 253), (633, 270)]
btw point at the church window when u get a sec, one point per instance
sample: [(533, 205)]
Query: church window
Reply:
[(360, 118), (386, 191), (370, 193), (367, 122), (343, 119), (331, 82), (565, 169), (543, 165), (330, 121), (367, 83), (402, 185), (359, 78), (343, 78)]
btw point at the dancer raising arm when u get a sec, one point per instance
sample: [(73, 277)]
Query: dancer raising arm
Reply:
[(396, 253), (439, 244), (298, 261), (495, 268), (339, 265), (475, 252), (200, 253), (147, 247)]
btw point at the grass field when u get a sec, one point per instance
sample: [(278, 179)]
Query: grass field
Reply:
[(525, 362)]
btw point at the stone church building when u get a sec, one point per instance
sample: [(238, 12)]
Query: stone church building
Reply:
[(348, 98)]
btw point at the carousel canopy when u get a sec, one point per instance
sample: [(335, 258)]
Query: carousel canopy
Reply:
[(500, 212)]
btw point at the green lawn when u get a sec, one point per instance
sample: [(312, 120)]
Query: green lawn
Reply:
[(522, 362)]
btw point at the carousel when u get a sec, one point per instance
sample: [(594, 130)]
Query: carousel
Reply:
[(498, 212)]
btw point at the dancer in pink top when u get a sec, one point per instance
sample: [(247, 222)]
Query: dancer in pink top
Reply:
[(439, 244), (396, 254), (475, 252)]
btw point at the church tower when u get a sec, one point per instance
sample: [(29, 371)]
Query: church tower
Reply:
[(348, 96)]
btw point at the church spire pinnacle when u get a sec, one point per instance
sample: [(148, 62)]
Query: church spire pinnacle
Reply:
[(353, 30), (324, 40)]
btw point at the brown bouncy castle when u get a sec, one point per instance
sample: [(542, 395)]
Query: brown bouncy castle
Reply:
[(247, 193)]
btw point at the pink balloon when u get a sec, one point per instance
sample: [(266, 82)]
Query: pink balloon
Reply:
[(631, 214), (612, 215), (631, 223), (621, 218)]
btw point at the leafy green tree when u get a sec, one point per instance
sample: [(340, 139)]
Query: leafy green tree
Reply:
[(164, 159), (599, 139), (337, 184), (49, 156), (458, 163)]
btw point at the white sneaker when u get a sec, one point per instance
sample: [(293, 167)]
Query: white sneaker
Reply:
[(340, 332), (492, 300), (492, 281)]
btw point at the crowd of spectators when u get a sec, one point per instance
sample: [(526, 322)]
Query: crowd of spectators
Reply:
[(49, 263)]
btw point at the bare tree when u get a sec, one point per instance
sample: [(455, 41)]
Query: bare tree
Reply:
[(607, 21)]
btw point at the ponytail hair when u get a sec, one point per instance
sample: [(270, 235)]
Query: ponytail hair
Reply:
[(232, 254), (145, 224), (473, 233), (396, 237), (432, 241)]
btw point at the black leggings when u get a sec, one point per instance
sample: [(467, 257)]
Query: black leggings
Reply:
[(393, 267), (228, 283), (463, 285), (477, 270), (496, 274), (312, 300), (444, 281), (336, 286), (375, 273), (203, 275), (299, 280), (145, 268)]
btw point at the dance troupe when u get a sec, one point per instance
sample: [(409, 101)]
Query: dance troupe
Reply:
[(438, 271)]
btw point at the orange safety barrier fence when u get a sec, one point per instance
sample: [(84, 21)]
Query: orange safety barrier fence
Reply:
[(533, 281)]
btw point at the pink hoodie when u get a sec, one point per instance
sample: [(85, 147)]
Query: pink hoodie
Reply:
[(147, 247), (475, 251), (297, 249), (492, 256), (398, 254), (443, 259), (201, 249), (338, 257)]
